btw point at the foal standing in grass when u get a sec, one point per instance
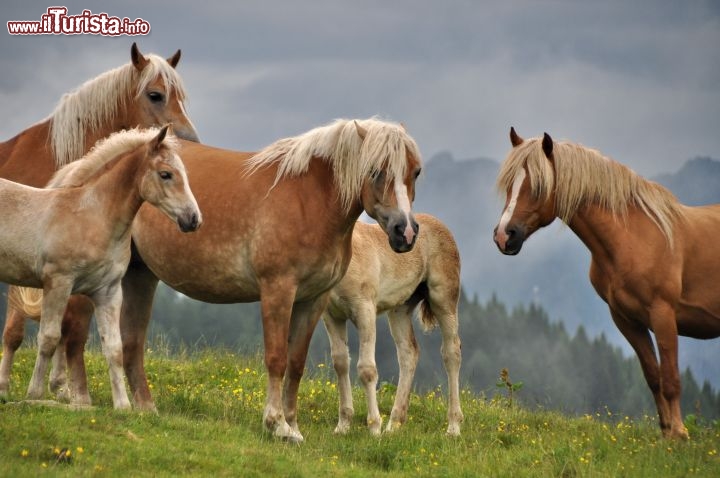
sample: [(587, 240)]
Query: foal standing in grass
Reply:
[(74, 237), (379, 280)]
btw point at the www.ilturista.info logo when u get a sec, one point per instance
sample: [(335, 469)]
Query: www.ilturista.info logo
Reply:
[(57, 22)]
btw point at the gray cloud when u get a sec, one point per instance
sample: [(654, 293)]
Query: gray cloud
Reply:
[(638, 80)]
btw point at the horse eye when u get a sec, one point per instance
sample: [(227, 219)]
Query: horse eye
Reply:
[(156, 97), (165, 175)]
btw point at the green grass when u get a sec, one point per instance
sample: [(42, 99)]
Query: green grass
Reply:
[(209, 424)]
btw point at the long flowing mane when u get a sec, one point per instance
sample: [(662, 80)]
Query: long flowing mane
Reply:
[(583, 175), (386, 146), (97, 101), (114, 146)]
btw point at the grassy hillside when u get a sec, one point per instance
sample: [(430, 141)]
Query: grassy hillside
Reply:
[(209, 424)]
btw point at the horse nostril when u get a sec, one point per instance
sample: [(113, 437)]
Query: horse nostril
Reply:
[(194, 220), (511, 231), (399, 229)]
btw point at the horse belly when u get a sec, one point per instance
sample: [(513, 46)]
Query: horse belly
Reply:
[(392, 293), (700, 322)]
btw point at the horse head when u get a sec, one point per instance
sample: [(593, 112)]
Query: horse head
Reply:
[(529, 201), (164, 183), (387, 198), (160, 97)]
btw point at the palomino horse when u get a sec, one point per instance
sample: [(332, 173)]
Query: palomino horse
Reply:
[(650, 260), (143, 93), (74, 237), (379, 281), (292, 210)]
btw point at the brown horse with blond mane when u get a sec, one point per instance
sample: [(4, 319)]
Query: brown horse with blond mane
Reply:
[(650, 260), (143, 93), (277, 228)]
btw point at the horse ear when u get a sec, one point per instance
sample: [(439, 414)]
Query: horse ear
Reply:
[(515, 140), (547, 146), (362, 132), (175, 59), (138, 60), (157, 141)]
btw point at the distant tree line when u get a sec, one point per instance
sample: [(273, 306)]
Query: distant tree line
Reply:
[(571, 373)]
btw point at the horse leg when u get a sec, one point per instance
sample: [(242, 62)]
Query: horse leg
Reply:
[(276, 304), (400, 320), (443, 303), (54, 302), (108, 302), (76, 325), (337, 333), (365, 318), (138, 288), (664, 325), (58, 371), (639, 338), (13, 334), (304, 318)]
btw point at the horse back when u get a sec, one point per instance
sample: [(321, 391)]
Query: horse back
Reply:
[(27, 158)]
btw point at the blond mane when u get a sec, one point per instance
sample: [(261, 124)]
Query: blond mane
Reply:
[(584, 176), (386, 147), (97, 101), (76, 173)]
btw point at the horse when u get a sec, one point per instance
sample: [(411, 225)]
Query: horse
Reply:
[(143, 93), (293, 208), (650, 260), (74, 236), (379, 281)]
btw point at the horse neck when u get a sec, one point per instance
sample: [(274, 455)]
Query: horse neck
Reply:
[(605, 234), (117, 123), (117, 189), (336, 217)]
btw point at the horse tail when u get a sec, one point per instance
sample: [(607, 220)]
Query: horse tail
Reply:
[(27, 300), (421, 297)]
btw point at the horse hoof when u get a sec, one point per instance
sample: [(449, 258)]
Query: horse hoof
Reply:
[(392, 426), (285, 432), (63, 395), (453, 430), (342, 429)]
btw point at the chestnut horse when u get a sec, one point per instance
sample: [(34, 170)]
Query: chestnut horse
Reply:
[(143, 93), (292, 209), (379, 281), (74, 237), (650, 260)]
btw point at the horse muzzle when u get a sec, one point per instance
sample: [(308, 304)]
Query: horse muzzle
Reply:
[(190, 221), (511, 240), (402, 233), (186, 132)]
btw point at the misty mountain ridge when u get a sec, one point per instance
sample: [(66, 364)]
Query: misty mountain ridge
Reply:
[(552, 268)]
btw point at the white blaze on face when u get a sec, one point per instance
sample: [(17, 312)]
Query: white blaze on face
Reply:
[(192, 205), (403, 203), (501, 236)]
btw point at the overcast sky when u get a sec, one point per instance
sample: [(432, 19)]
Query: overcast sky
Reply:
[(639, 80)]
